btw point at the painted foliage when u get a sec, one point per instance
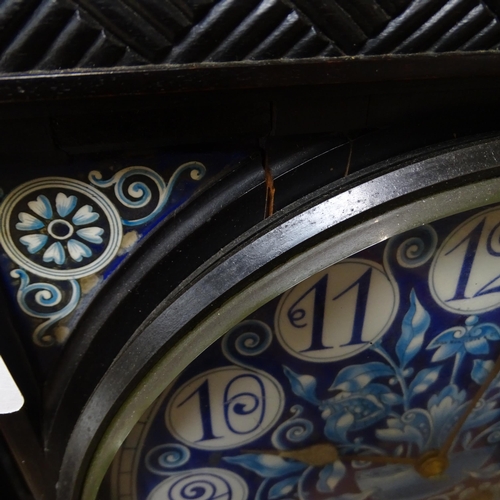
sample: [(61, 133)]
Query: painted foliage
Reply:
[(376, 378)]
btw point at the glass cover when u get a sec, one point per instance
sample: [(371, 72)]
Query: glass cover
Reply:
[(375, 378)]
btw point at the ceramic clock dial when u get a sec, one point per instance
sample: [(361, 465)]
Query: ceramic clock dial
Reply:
[(377, 378)]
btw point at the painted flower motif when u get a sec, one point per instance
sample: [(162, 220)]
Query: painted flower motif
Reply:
[(444, 409), (59, 230), (458, 341), (472, 339), (413, 427), (355, 411)]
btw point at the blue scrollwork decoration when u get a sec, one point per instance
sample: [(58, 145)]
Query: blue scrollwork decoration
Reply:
[(164, 459), (49, 303), (294, 430), (138, 194), (201, 484), (248, 338), (62, 229), (379, 395), (414, 249)]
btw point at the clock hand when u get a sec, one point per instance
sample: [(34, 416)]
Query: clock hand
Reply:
[(461, 421), (380, 459), (431, 464), (435, 462), (316, 455), (319, 455)]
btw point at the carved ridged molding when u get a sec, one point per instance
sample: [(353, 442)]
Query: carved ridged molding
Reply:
[(48, 35)]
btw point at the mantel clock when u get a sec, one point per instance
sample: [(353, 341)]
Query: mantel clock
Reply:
[(371, 376)]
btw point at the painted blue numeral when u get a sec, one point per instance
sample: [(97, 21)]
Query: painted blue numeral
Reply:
[(205, 414), (485, 290), (363, 284), (318, 314), (473, 238), (296, 315), (244, 403), (470, 253)]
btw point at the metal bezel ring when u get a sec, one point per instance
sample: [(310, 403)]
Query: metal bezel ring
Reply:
[(311, 238)]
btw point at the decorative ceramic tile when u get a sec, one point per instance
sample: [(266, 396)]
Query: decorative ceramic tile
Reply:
[(61, 237), (376, 378)]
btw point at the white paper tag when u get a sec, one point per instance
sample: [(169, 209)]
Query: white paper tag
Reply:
[(11, 399)]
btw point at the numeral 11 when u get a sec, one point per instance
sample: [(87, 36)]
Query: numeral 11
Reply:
[(319, 290)]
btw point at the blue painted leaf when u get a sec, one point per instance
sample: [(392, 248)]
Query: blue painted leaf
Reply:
[(355, 377), (449, 336), (28, 222), (34, 242), (495, 383), (283, 488), (365, 410), (337, 425), (267, 465), (391, 399), (481, 370), (382, 393), (303, 386), (488, 472), (353, 496), (65, 204), (41, 206), (443, 407), (466, 439), (55, 253), (488, 330), (330, 475), (482, 416), (424, 380), (415, 324), (398, 432), (448, 343), (376, 389), (445, 351), (477, 346), (494, 434)]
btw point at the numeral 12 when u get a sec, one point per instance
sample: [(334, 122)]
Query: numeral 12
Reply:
[(473, 238)]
